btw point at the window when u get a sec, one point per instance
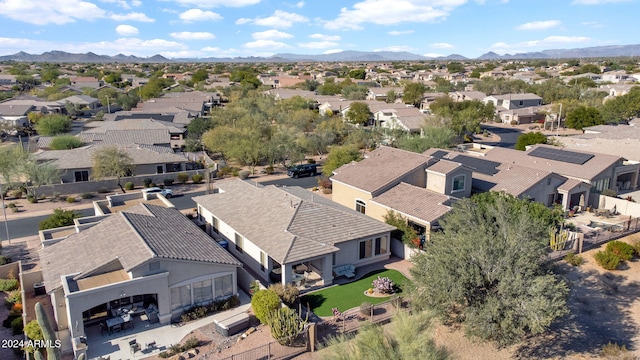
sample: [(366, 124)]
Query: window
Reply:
[(361, 206), (381, 245), (239, 243), (215, 224), (366, 248), (548, 181), (458, 183), (521, 102), (223, 286), (263, 260), (333, 259), (159, 169), (202, 292), (180, 297), (82, 175)]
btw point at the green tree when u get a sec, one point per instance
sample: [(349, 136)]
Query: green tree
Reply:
[(53, 124), (58, 219), (485, 270), (64, 142), (413, 93), (358, 113), (433, 137), (583, 116), (200, 75), (111, 162), (338, 156), (330, 87), (264, 303), (455, 67), (128, 101), (11, 159), (38, 174), (391, 96), (406, 232), (531, 138), (408, 337), (357, 74)]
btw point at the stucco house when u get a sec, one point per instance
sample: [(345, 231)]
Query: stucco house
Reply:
[(148, 257), (15, 115), (76, 164), (513, 101), (276, 231)]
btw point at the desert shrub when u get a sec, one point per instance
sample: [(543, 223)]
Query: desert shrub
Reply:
[(621, 249), (326, 191), (59, 218), (607, 260), (285, 325), (64, 142), (17, 326), (32, 199), (197, 178), (146, 182), (71, 199), (14, 298), (263, 303), (182, 178), (235, 172), (12, 205), (16, 194), (87, 195), (609, 192), (288, 294), (4, 260), (197, 312), (225, 170), (365, 308), (129, 185), (269, 170), (167, 182), (311, 161), (574, 259), (33, 330), (324, 182), (191, 343), (8, 284), (514, 122), (615, 351), (244, 174), (103, 190)]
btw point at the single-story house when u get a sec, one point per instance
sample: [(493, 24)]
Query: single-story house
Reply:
[(276, 231), (149, 259)]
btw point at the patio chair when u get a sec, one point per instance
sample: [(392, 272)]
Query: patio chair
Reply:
[(133, 344)]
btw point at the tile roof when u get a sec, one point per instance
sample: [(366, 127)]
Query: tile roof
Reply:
[(572, 183), (416, 202), (15, 110), (512, 179), (444, 167), (82, 157), (132, 238), (379, 169), (289, 224)]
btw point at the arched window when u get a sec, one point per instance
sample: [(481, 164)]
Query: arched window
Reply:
[(361, 206)]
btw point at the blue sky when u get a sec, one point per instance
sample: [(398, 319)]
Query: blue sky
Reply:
[(232, 28)]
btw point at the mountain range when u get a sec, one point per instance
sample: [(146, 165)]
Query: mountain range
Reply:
[(343, 56)]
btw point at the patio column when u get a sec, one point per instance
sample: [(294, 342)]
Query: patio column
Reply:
[(327, 270), (287, 274)]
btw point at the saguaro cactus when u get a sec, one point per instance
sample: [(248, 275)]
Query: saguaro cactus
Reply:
[(47, 331)]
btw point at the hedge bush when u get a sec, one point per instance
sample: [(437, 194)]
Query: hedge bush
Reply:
[(128, 185), (288, 294), (147, 182), (8, 284), (574, 259), (263, 303), (168, 182), (87, 195), (197, 312), (17, 326), (197, 178), (244, 174), (182, 178), (607, 260), (71, 199)]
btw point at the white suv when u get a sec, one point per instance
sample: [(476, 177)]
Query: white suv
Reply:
[(168, 193)]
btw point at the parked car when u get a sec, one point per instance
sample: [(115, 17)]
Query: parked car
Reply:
[(168, 193), (302, 170)]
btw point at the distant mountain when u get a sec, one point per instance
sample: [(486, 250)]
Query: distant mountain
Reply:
[(343, 56)]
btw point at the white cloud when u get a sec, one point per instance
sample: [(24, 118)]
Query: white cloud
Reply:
[(565, 39), (596, 2), (279, 19), (50, 12), (441, 46), (271, 44), (199, 15), (132, 16), (127, 30), (325, 37), (187, 35), (300, 4), (332, 51), (126, 46), (402, 32), (539, 25), (318, 44), (593, 24), (270, 35), (396, 48), (391, 12), (217, 3)]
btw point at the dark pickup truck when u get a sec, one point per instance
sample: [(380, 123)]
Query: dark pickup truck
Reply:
[(302, 170)]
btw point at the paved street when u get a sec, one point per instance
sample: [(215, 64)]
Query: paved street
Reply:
[(508, 136), (28, 226)]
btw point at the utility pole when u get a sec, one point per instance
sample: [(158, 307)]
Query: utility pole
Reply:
[(559, 116)]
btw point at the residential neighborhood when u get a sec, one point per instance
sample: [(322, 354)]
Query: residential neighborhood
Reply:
[(168, 210)]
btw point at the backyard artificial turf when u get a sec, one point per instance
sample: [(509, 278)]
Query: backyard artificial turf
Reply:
[(351, 295)]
